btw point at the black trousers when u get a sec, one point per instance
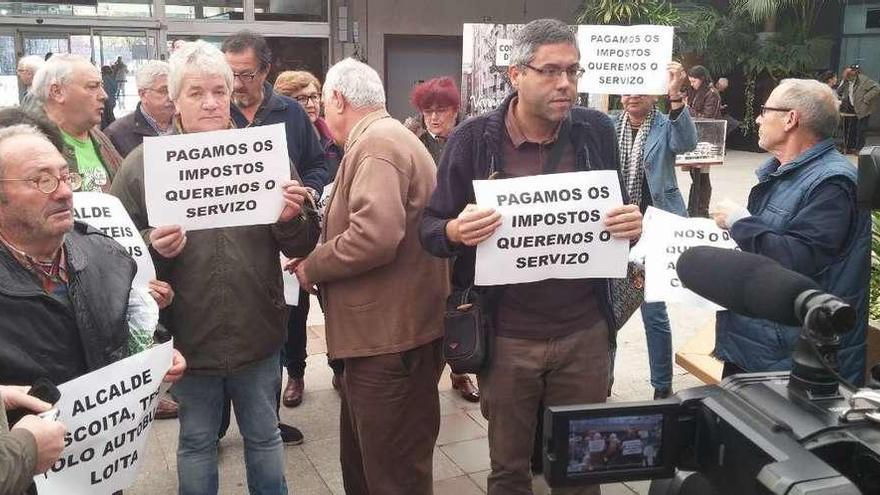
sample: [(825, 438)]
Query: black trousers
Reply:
[(701, 193), (854, 132)]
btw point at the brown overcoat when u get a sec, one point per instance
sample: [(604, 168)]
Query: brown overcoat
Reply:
[(382, 293)]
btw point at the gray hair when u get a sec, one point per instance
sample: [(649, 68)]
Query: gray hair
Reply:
[(57, 70), (815, 102), (7, 133), (149, 72), (537, 33), (32, 62), (357, 82), (197, 57)]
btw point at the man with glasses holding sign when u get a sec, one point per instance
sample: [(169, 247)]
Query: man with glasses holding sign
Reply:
[(551, 342)]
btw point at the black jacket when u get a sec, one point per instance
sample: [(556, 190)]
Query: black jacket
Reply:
[(474, 151), (303, 147), (44, 336), (128, 132)]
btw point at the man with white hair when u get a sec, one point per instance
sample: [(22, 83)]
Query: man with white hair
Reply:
[(27, 67), (383, 294), (70, 90), (153, 114), (803, 214), (229, 316)]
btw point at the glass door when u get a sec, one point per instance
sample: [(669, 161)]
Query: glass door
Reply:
[(124, 52), (9, 92)]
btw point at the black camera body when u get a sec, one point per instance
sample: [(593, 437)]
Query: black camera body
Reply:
[(750, 434)]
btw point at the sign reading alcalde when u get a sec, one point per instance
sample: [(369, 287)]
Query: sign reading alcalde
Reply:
[(216, 179), (106, 213), (624, 60), (108, 414), (552, 227)]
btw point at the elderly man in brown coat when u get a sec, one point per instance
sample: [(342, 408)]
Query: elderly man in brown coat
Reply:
[(382, 294)]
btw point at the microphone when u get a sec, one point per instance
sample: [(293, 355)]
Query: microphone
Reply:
[(745, 283)]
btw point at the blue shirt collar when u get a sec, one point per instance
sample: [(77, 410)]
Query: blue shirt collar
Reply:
[(772, 166)]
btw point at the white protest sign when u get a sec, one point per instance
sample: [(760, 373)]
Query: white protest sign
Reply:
[(552, 227), (291, 284), (667, 236), (106, 213), (503, 49), (216, 179), (108, 414), (624, 60)]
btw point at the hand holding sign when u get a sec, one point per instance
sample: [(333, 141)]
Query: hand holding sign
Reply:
[(168, 240), (294, 197), (178, 367), (624, 222), (161, 292), (473, 225), (677, 76), (49, 437)]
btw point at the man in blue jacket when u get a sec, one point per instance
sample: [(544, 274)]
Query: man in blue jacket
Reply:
[(648, 141), (256, 103), (803, 214)]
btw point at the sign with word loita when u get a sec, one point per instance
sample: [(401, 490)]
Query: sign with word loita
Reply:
[(106, 213), (207, 180), (625, 60), (552, 227), (108, 414)]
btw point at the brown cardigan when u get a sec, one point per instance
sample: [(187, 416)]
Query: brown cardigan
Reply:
[(382, 293)]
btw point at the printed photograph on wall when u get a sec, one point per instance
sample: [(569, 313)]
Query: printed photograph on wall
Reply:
[(485, 57)]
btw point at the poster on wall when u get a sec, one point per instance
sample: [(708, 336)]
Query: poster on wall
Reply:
[(485, 57)]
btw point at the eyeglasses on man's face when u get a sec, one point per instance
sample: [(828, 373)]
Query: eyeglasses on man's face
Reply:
[(304, 99), (573, 73), (765, 109), (47, 183), (245, 77)]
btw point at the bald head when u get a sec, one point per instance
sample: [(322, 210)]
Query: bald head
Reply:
[(815, 103)]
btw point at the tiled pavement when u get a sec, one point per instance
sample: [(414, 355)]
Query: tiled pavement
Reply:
[(461, 458)]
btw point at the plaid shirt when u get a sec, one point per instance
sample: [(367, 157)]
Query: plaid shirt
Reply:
[(53, 276)]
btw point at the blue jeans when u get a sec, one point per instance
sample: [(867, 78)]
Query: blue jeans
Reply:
[(659, 338), (201, 398)]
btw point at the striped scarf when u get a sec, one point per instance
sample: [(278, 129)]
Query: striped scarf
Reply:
[(632, 154)]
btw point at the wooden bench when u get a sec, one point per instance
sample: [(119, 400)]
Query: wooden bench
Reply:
[(696, 355)]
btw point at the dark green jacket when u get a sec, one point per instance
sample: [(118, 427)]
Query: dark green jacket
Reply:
[(228, 310)]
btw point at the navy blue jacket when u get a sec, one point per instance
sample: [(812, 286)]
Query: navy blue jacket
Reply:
[(474, 151), (804, 216), (303, 146)]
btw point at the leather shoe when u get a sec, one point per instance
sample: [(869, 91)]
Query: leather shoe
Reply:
[(465, 387), (167, 409), (293, 392)]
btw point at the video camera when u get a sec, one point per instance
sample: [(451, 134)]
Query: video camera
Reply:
[(806, 432)]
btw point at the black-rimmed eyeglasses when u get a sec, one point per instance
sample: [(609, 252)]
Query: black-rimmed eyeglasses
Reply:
[(765, 109), (573, 73)]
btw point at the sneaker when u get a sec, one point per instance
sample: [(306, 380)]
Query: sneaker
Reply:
[(290, 435)]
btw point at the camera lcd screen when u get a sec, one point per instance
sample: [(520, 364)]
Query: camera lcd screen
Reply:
[(602, 444)]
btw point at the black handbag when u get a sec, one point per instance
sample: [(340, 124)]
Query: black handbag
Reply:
[(627, 294), (467, 331)]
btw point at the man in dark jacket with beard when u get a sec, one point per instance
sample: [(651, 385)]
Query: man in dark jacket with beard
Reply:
[(551, 342)]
